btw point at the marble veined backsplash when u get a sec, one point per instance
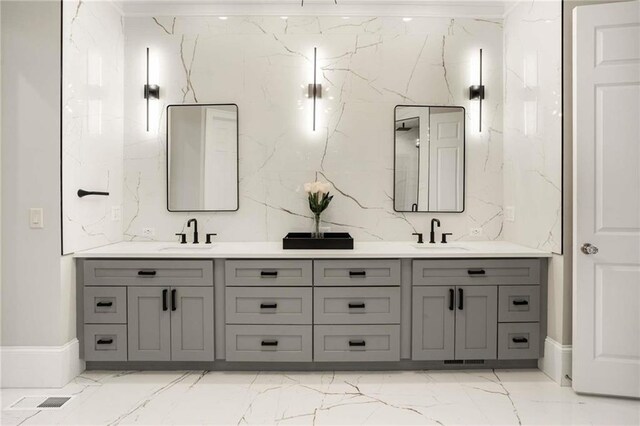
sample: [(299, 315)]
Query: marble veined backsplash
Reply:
[(366, 65)]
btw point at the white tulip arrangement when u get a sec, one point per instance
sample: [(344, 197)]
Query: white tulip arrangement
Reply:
[(319, 199)]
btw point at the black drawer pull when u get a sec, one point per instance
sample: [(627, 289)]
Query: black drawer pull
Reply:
[(359, 305), (268, 305), (452, 295), (147, 273), (174, 303), (164, 299), (460, 299), (476, 271), (357, 273), (104, 304), (104, 341), (269, 343), (520, 302), (359, 343), (268, 273), (519, 340)]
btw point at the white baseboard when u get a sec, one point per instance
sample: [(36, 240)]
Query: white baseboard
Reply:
[(556, 362), (40, 366)]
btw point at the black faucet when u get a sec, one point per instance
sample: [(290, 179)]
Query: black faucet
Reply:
[(432, 234), (195, 229), (420, 241)]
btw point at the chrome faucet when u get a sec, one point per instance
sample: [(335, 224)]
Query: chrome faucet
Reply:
[(195, 229), (432, 234)]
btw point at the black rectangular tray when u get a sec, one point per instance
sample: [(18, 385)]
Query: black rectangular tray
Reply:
[(330, 241)]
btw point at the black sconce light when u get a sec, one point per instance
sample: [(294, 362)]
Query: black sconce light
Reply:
[(151, 91), (314, 90), (477, 92)]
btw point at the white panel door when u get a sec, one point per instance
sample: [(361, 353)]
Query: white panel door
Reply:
[(606, 305), (446, 161)]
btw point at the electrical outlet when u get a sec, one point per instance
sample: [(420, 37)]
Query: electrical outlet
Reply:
[(116, 213), (149, 232), (475, 232), (510, 213)]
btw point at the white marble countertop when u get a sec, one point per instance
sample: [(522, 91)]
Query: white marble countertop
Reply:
[(273, 250)]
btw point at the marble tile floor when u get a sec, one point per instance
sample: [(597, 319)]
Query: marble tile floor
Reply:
[(478, 397)]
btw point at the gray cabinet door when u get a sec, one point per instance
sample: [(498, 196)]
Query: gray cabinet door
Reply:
[(476, 322), (433, 323), (149, 328), (192, 324)]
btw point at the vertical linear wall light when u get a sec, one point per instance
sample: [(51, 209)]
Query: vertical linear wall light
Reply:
[(314, 89), (477, 92), (151, 91)]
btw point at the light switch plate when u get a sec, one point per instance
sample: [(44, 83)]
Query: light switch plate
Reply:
[(36, 218), (510, 213), (116, 213)]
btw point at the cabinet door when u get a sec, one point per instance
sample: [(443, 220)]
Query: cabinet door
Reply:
[(476, 322), (192, 324), (149, 326), (433, 323)]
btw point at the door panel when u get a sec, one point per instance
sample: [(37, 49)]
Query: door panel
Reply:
[(192, 324), (433, 323), (476, 322), (149, 328)]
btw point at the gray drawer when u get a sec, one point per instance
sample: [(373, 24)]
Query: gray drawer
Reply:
[(476, 271), (268, 305), (268, 343), (356, 343), (105, 342), (385, 272), (149, 272), (268, 272), (357, 305), (105, 305), (519, 340), (519, 303)]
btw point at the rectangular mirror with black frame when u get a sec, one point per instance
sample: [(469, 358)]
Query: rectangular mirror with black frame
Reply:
[(202, 157), (429, 158)]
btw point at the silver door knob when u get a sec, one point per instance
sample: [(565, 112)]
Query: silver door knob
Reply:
[(589, 249)]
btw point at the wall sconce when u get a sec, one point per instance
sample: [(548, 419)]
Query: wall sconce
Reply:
[(151, 91), (477, 92), (314, 90)]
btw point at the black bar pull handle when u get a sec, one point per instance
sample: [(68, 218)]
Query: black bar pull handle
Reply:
[(147, 273), (357, 273), (164, 299), (104, 341), (520, 302), (520, 340), (452, 295), (83, 193), (104, 304), (174, 304), (357, 305), (268, 305), (268, 273), (357, 343), (460, 299), (269, 343), (476, 272)]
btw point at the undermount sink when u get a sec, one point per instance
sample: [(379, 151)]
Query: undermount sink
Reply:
[(186, 247), (439, 247)]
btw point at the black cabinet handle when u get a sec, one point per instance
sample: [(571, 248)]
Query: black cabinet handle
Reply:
[(268, 273), (520, 302), (359, 343), (357, 273), (460, 299), (164, 299), (358, 305), (147, 273), (174, 305), (519, 340), (104, 304), (452, 295), (268, 305), (104, 341), (83, 193), (269, 343), (476, 271)]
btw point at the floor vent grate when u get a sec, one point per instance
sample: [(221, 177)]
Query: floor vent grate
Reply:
[(474, 361), (39, 402), (453, 361)]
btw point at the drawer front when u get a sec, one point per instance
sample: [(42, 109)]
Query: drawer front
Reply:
[(356, 343), (359, 305), (519, 340), (149, 272), (105, 342), (268, 305), (268, 343), (519, 303), (105, 305), (476, 271), (383, 272), (268, 272)]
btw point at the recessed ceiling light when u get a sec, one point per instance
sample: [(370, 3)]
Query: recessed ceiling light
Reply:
[(284, 17), (224, 18), (407, 19)]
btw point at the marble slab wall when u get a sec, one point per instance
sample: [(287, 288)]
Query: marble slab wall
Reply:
[(92, 140), (533, 124), (367, 66)]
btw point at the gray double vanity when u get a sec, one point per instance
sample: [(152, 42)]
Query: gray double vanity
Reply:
[(255, 306)]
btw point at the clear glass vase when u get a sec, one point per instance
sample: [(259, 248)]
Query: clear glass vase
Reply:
[(315, 232)]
